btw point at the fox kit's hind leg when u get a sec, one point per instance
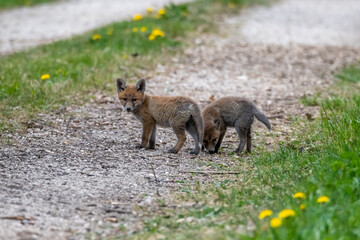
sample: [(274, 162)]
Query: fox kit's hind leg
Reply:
[(191, 128), (181, 136), (242, 133), (152, 138), (248, 143)]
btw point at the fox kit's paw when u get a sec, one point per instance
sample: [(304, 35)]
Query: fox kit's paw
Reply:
[(151, 145), (195, 152), (139, 146), (212, 152), (237, 151), (150, 148), (172, 150)]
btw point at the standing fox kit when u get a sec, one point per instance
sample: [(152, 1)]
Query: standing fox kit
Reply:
[(230, 112), (179, 113)]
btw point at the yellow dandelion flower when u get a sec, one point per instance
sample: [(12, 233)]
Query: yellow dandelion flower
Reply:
[(286, 213), (45, 76), (152, 37), (96, 37), (134, 29), (143, 29), (149, 9), (110, 31), (323, 199), (157, 32), (137, 17), (299, 195), (302, 206), (265, 213), (161, 11), (275, 222), (231, 5), (157, 16)]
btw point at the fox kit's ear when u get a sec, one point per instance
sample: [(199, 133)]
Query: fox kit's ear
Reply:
[(141, 85), (121, 85), (217, 123)]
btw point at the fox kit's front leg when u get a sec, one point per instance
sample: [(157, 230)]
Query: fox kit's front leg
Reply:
[(147, 130), (152, 138), (221, 137)]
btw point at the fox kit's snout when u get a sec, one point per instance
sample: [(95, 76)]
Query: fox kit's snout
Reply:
[(230, 112), (179, 113)]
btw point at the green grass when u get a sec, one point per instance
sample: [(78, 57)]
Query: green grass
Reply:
[(80, 66), (17, 3), (311, 100), (323, 161), (351, 74)]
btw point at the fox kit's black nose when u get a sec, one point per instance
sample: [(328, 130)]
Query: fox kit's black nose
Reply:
[(128, 109)]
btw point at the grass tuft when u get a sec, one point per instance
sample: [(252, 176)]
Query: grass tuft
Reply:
[(310, 100), (350, 74), (18, 3)]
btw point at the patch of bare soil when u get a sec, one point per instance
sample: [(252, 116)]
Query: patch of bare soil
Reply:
[(76, 172)]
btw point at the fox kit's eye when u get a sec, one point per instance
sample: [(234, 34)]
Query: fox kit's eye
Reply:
[(205, 142), (134, 99), (214, 140), (125, 99)]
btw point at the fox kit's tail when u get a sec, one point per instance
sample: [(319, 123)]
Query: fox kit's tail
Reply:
[(199, 122), (261, 117)]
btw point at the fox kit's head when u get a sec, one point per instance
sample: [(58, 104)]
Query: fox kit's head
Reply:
[(211, 134), (131, 96)]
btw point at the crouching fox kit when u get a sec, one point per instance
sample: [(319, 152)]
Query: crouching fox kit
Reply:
[(230, 112), (179, 113)]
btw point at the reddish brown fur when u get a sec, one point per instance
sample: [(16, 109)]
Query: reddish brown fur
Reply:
[(179, 113)]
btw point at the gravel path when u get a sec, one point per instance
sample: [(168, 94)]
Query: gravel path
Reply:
[(321, 22), (76, 171), (28, 27)]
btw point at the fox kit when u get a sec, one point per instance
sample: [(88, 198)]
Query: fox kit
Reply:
[(179, 113), (230, 112)]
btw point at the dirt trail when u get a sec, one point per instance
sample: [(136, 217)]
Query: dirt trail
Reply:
[(76, 170), (26, 27)]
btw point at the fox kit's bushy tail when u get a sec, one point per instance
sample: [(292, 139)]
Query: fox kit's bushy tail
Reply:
[(261, 117)]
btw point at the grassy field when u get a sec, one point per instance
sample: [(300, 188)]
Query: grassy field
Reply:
[(68, 71), (4, 4), (307, 189)]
